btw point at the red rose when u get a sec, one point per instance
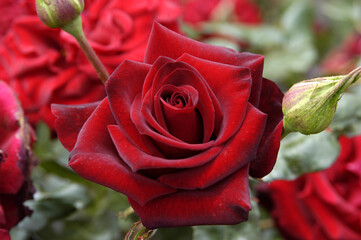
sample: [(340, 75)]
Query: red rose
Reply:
[(46, 66), (321, 205), (15, 161), (344, 58), (179, 133)]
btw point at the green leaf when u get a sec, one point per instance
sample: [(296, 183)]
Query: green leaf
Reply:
[(347, 119), (301, 154)]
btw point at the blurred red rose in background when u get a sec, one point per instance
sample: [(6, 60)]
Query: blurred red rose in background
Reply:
[(198, 11), (16, 161), (180, 133), (344, 58), (46, 66), (320, 205)]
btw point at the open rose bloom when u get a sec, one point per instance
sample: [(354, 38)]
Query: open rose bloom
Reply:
[(180, 133), (322, 205), (46, 66), (16, 161)]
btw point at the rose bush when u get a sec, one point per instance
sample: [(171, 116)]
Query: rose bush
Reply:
[(46, 66), (320, 205), (180, 133), (16, 161)]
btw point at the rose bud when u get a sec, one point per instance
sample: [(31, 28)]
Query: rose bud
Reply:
[(309, 105), (58, 13), (16, 161)]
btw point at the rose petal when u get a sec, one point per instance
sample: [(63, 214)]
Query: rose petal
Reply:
[(185, 123), (95, 158), (271, 104), (330, 223), (70, 119), (122, 87), (12, 176), (163, 42), (170, 147), (179, 73), (12, 142), (284, 197), (232, 92), (238, 151), (226, 202), (139, 160), (326, 192), (4, 234), (157, 104), (9, 108)]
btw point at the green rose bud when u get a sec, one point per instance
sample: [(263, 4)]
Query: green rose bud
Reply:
[(58, 13), (309, 106)]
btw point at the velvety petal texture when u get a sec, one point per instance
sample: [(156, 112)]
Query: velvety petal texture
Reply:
[(179, 132), (325, 204), (16, 160)]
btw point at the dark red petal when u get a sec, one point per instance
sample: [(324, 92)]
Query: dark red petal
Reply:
[(184, 123), (232, 91), (284, 198), (171, 144), (271, 104), (4, 234), (184, 74), (236, 153), (227, 202), (349, 149), (328, 194), (95, 158), (153, 72), (69, 120), (138, 160), (180, 73), (163, 42), (158, 101), (329, 220), (122, 87)]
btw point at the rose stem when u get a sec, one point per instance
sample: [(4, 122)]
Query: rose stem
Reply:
[(76, 30)]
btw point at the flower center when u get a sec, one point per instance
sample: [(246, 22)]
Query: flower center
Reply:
[(179, 112), (177, 99)]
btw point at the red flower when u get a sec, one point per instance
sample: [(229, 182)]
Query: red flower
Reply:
[(179, 133), (46, 66), (15, 160), (321, 205), (344, 58)]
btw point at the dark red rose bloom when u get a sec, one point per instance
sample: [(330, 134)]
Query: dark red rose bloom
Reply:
[(179, 133), (321, 205), (344, 58), (198, 11), (16, 161), (46, 66)]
